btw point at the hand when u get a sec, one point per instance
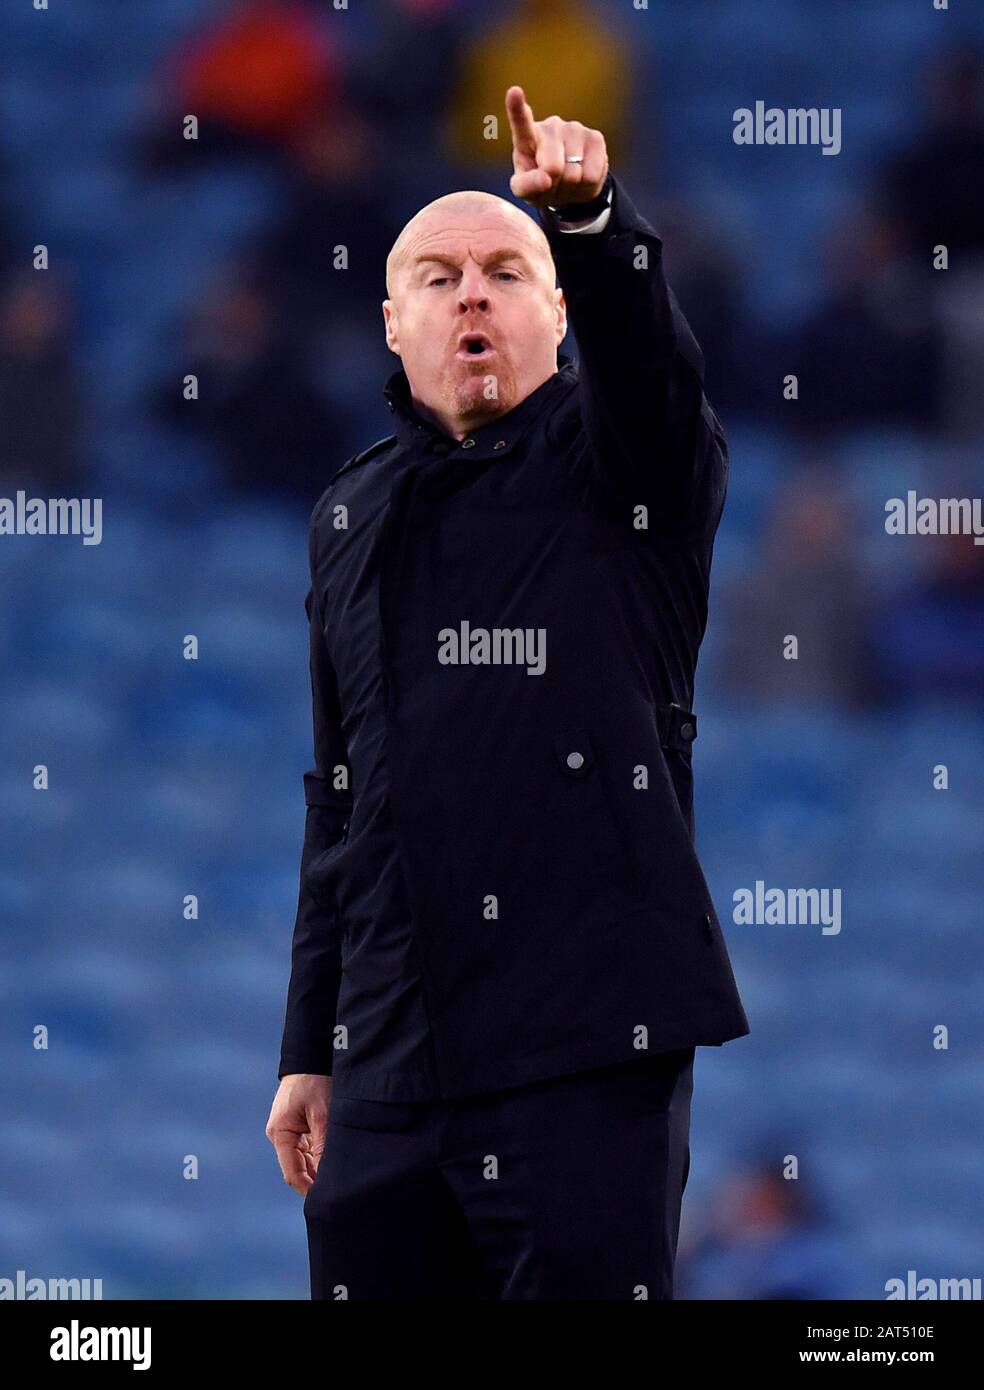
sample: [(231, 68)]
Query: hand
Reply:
[(539, 151), (297, 1127)]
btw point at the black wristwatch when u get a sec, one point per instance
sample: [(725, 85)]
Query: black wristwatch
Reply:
[(584, 212)]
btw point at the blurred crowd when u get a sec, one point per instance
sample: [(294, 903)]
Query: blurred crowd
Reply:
[(358, 136), (351, 128), (767, 1236)]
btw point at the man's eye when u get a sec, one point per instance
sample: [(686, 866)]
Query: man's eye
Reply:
[(508, 274), (440, 280)]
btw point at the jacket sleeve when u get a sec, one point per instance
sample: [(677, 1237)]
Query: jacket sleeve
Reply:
[(640, 370), (312, 994)]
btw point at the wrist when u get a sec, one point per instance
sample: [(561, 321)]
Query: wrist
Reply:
[(586, 211)]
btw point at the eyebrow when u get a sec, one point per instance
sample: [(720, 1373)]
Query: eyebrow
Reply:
[(501, 253)]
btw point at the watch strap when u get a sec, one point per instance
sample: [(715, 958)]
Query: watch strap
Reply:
[(583, 212)]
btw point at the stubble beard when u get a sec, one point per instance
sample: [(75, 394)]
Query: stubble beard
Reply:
[(470, 393)]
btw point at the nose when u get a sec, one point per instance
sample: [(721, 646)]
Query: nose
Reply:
[(472, 292)]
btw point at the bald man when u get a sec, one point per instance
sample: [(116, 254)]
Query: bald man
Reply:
[(505, 951)]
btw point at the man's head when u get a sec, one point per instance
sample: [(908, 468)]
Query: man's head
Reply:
[(471, 267)]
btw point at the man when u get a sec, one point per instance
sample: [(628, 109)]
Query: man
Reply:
[(505, 951)]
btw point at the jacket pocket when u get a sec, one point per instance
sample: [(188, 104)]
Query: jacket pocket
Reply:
[(319, 867), (593, 851)]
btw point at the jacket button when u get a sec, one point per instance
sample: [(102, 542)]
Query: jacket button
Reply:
[(575, 760), (499, 444), (686, 731), (468, 443)]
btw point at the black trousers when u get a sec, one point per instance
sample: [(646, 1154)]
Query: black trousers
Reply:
[(568, 1188)]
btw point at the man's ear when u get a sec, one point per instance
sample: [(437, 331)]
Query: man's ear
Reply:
[(561, 308), (389, 318)]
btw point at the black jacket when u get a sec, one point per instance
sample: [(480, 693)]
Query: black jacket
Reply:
[(498, 867)]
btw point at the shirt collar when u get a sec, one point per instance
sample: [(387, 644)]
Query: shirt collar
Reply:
[(496, 437)]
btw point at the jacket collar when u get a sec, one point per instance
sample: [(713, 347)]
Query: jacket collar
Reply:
[(491, 440)]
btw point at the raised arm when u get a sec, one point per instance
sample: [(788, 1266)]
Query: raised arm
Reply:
[(640, 368)]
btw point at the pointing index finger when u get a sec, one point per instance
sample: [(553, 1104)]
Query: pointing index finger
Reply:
[(520, 115)]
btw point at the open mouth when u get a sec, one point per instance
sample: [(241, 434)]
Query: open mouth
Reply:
[(474, 346)]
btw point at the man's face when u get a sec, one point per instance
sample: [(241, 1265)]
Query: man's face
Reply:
[(474, 275)]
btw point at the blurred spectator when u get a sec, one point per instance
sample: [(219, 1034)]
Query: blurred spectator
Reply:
[(705, 279), (933, 194), (254, 78), (960, 309), (931, 638), (256, 397), (766, 1239), (404, 81), (871, 353), (568, 63), (335, 201), (39, 388), (8, 215), (934, 190), (808, 583)]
